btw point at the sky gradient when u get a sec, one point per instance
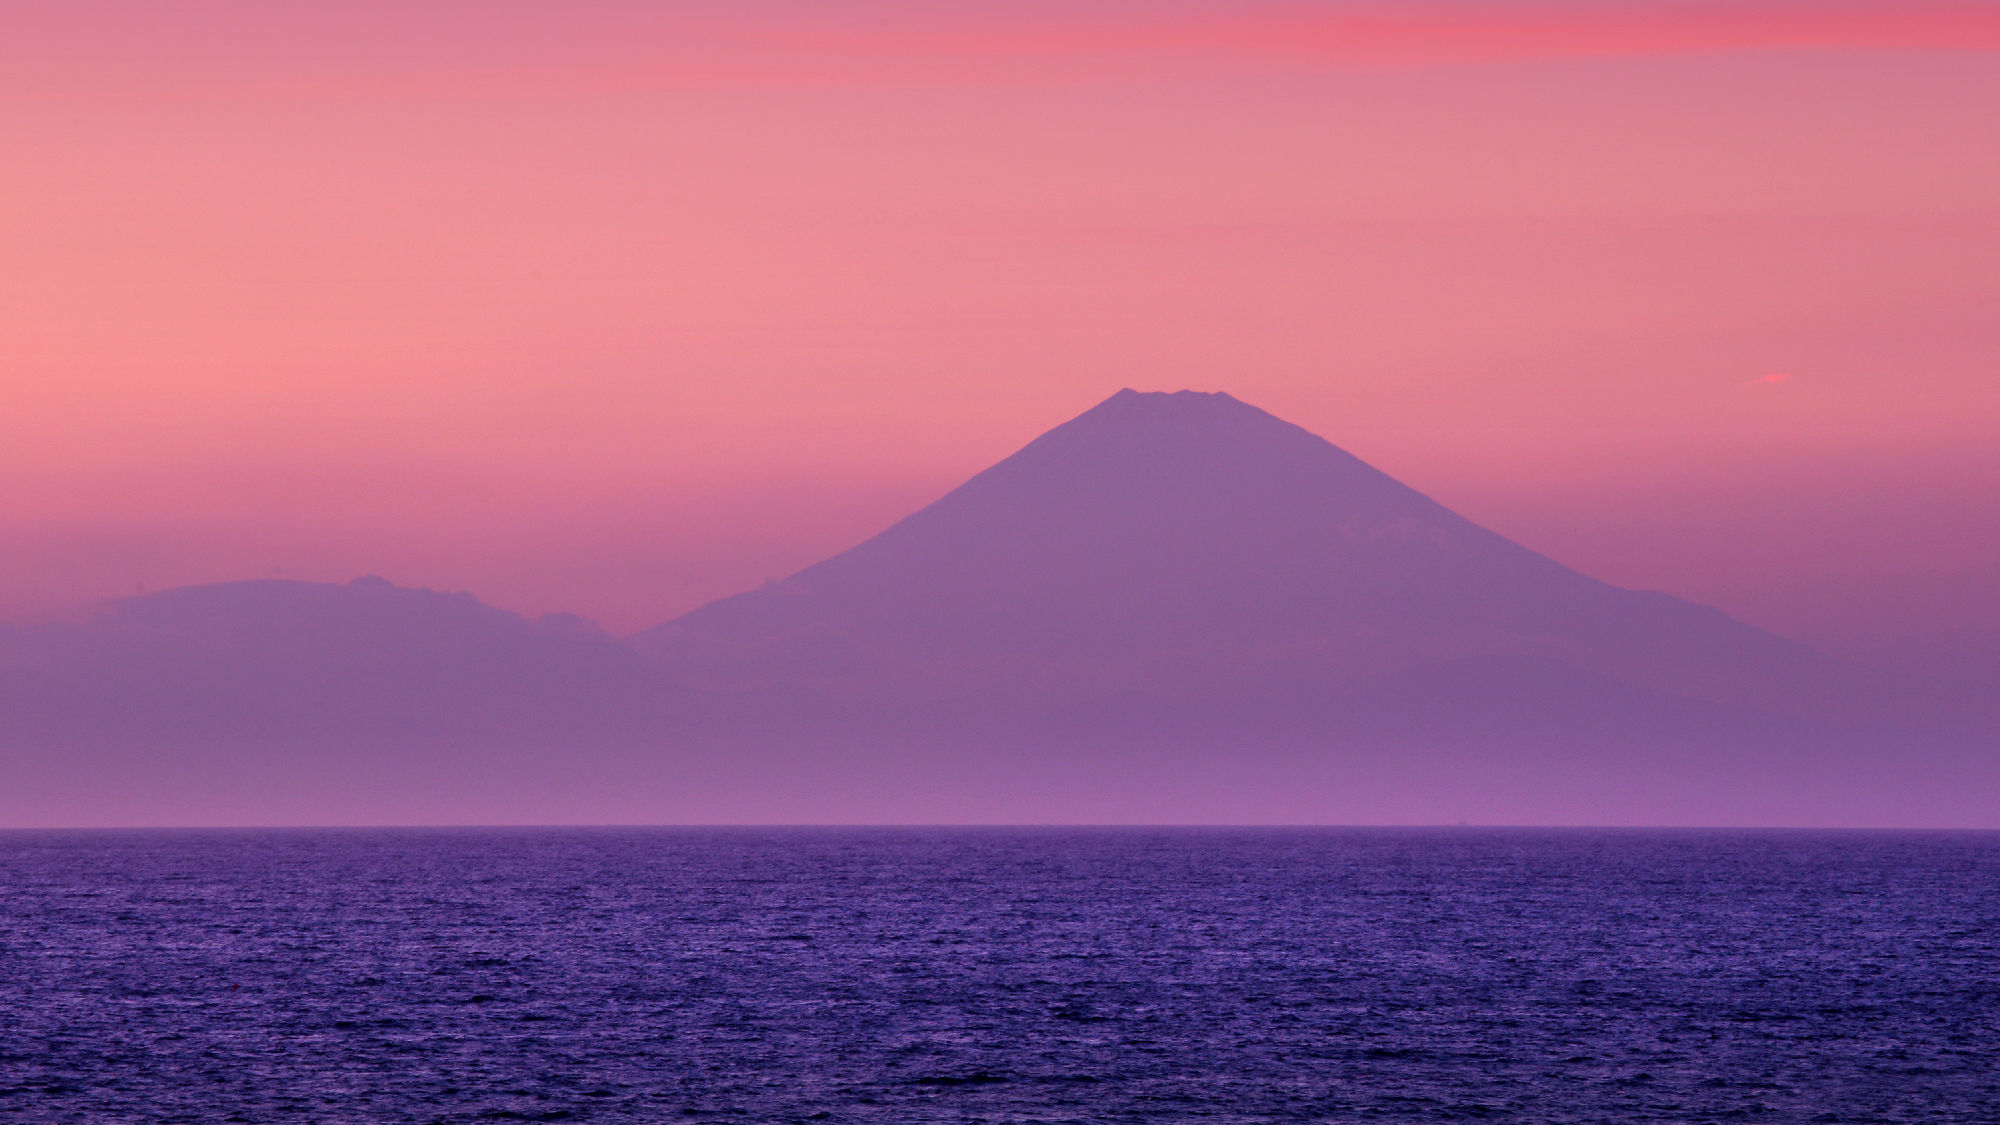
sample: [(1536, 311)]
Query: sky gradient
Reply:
[(620, 307)]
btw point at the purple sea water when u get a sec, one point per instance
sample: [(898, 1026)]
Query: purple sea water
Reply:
[(999, 975)]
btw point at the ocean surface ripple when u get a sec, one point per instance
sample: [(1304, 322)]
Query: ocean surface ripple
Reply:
[(999, 975)]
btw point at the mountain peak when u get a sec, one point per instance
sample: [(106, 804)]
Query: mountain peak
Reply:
[(1188, 542), (1129, 395), (1187, 450), (1165, 521), (1131, 404), (1167, 436)]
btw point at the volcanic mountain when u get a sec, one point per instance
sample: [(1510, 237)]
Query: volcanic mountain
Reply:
[(1173, 608), (1192, 547), (1179, 607)]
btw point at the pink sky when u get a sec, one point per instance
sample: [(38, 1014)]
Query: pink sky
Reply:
[(619, 307)]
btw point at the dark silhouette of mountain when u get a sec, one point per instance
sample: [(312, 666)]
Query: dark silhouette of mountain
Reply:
[(309, 701), (1192, 546), (1174, 607), (1177, 605), (302, 658)]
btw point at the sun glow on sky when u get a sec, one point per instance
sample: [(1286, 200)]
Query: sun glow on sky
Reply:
[(618, 307)]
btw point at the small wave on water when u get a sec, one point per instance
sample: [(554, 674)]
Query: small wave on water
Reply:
[(999, 975)]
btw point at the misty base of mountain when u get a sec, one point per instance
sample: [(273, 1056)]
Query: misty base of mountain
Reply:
[(1174, 608)]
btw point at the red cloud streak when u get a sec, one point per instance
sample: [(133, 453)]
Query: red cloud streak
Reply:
[(985, 46), (1398, 35), (619, 45)]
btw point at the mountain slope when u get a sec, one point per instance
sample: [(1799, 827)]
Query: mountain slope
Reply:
[(1189, 544), (297, 702), (302, 658)]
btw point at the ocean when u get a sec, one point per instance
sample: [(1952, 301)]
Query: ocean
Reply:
[(999, 975)]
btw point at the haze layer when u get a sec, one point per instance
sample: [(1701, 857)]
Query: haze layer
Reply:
[(619, 308), (1174, 608)]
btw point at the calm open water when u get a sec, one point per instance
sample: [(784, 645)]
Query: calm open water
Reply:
[(999, 975)]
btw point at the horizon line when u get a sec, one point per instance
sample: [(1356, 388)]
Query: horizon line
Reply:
[(1026, 826)]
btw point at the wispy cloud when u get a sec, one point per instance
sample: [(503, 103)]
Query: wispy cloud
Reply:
[(1404, 34), (988, 45)]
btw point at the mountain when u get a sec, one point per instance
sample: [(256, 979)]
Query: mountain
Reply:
[(1173, 608), (1178, 606), (242, 701), (1190, 545)]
